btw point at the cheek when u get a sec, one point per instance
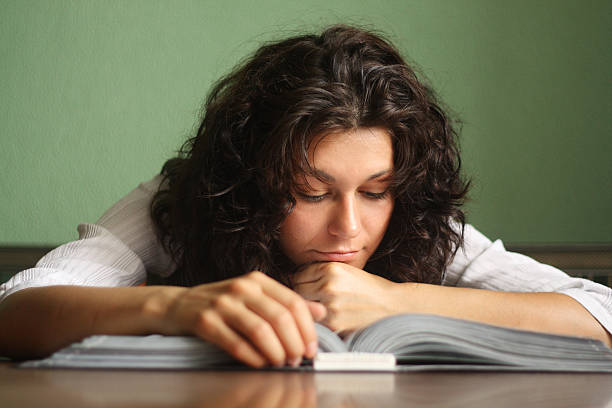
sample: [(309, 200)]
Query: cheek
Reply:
[(378, 219), (297, 230)]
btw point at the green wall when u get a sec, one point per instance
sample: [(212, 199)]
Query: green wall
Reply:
[(94, 96)]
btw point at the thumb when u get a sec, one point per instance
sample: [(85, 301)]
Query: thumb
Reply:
[(317, 310)]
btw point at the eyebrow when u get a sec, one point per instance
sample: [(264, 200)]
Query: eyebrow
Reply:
[(328, 177)]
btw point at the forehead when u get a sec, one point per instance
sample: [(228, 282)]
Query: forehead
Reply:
[(363, 145), (355, 155)]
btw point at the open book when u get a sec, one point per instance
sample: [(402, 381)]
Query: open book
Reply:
[(406, 342)]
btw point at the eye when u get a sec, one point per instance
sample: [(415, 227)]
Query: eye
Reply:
[(375, 196), (312, 198)]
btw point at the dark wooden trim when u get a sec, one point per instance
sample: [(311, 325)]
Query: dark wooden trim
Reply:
[(570, 247), (14, 259), (569, 257)]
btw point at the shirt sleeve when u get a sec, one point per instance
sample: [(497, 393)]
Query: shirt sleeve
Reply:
[(487, 265), (118, 250)]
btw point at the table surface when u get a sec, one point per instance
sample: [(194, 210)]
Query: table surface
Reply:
[(270, 389)]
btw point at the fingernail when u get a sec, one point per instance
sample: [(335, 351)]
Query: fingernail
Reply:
[(312, 348), (295, 362)]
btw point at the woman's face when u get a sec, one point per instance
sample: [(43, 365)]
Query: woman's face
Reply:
[(344, 217)]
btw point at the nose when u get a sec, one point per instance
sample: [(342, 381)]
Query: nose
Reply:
[(345, 221)]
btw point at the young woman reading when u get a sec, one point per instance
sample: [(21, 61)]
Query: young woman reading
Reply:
[(323, 185)]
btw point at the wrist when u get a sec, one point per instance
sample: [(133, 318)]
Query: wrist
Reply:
[(156, 306), (410, 297)]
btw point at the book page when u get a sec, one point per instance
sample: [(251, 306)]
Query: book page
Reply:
[(329, 341), (430, 339)]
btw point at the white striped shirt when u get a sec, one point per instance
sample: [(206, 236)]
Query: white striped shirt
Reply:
[(121, 248)]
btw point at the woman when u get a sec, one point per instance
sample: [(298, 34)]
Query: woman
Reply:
[(323, 185)]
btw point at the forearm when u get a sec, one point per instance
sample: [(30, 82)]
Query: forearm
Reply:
[(545, 312), (252, 317), (38, 321)]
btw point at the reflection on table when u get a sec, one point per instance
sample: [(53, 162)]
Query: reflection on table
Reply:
[(271, 389)]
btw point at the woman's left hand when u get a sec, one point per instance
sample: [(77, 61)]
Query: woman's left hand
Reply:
[(353, 297)]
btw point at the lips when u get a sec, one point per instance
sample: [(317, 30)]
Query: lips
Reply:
[(336, 256)]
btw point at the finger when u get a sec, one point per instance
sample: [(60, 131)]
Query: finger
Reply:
[(309, 291), (308, 273), (212, 328), (297, 306), (264, 296), (283, 322), (317, 310), (257, 330)]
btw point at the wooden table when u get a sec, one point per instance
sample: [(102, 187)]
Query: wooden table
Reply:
[(225, 389)]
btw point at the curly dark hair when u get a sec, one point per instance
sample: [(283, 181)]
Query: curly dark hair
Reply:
[(220, 208)]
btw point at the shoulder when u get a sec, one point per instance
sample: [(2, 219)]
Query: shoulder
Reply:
[(134, 203), (129, 220)]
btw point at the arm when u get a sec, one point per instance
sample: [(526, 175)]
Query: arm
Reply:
[(482, 264), (484, 283), (37, 321), (355, 298), (254, 318), (545, 311)]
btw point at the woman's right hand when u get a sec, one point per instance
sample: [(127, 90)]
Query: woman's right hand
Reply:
[(253, 317)]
